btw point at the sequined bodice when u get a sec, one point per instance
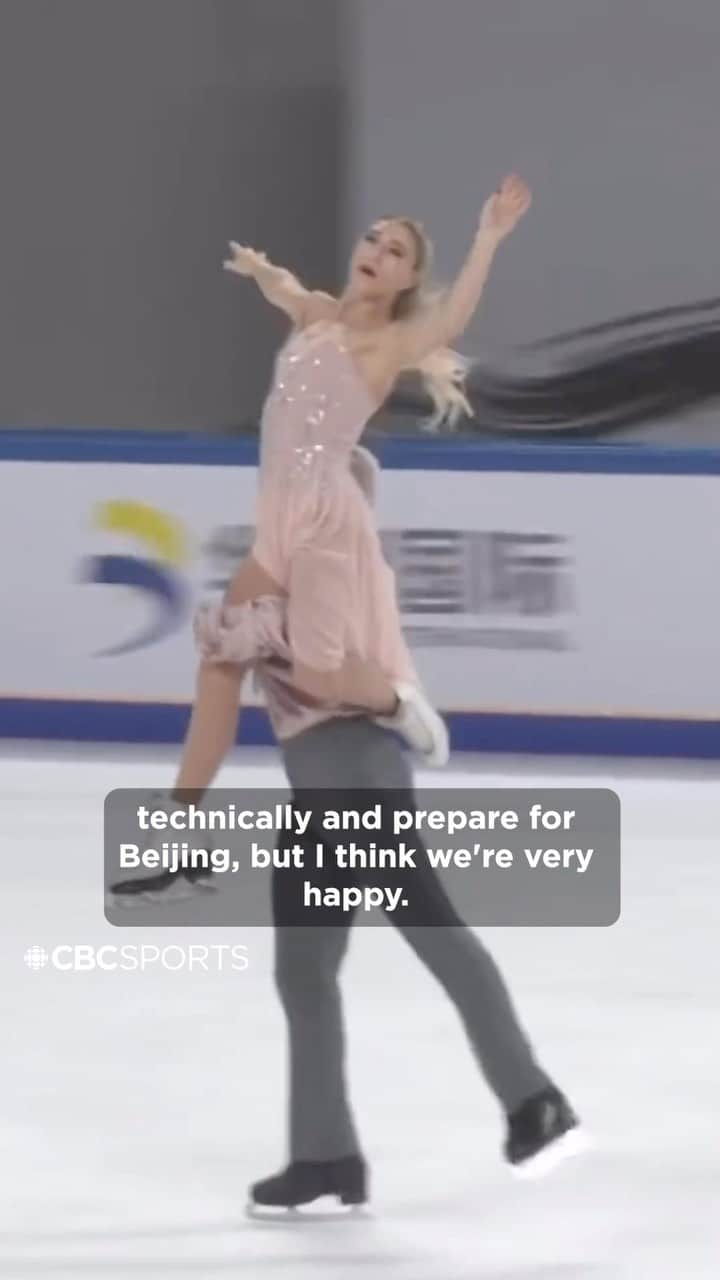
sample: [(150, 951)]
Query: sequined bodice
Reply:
[(315, 531), (316, 410)]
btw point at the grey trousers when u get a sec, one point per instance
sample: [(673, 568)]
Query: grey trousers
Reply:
[(347, 754)]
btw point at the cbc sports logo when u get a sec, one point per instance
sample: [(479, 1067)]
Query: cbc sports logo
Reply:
[(159, 575), (86, 958)]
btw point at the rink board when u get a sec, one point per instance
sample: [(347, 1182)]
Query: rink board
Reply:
[(555, 598)]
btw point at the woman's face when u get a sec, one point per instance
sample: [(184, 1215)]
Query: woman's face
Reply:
[(384, 261)]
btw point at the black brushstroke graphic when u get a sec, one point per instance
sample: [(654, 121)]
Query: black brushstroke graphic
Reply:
[(648, 367)]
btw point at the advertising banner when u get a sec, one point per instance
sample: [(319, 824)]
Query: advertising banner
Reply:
[(575, 594)]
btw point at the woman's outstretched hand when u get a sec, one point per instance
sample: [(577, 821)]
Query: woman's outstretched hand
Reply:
[(505, 207), (244, 261)]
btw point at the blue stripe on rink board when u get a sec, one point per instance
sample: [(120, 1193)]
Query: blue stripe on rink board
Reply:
[(393, 452), (152, 723)]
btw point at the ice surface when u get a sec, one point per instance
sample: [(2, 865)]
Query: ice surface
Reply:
[(137, 1107)]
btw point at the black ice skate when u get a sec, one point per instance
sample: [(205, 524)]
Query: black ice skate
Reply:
[(542, 1132), (165, 887), (305, 1181)]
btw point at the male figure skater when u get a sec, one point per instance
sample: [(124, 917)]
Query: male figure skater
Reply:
[(356, 755)]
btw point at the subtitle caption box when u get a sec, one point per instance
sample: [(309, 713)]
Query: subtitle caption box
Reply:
[(482, 857)]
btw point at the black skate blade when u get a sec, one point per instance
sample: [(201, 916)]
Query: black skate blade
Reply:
[(575, 1142), (305, 1214)]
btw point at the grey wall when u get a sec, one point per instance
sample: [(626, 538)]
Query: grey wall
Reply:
[(611, 112), (136, 138)]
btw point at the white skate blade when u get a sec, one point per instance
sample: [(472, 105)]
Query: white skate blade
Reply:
[(305, 1214), (575, 1142)]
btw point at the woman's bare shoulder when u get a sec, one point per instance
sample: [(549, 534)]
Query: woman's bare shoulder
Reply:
[(318, 308)]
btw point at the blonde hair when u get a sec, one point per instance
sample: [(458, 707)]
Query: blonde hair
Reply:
[(443, 371)]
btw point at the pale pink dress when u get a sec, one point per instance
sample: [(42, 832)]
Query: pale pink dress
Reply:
[(316, 534)]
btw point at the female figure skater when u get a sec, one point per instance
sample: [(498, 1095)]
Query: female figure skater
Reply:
[(316, 539), (376, 632)]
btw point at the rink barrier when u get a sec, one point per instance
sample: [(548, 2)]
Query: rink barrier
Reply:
[(145, 721), (78, 720), (398, 453)]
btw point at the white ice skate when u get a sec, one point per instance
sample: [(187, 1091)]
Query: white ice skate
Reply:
[(420, 725)]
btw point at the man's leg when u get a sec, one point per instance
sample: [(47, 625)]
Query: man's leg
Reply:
[(538, 1115), (356, 755), (307, 961), (325, 1156), (324, 1146)]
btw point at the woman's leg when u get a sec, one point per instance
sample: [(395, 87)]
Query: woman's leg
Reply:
[(319, 634), (213, 724), (212, 729), (327, 624)]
